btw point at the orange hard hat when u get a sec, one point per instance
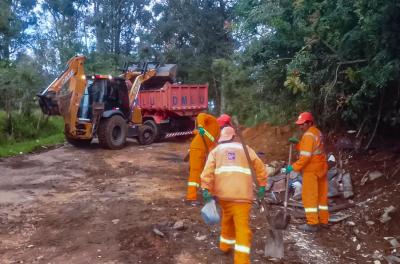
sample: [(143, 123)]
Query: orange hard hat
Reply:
[(227, 133), (304, 117), (224, 120)]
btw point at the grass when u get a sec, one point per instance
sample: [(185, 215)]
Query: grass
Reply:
[(16, 148), (26, 136)]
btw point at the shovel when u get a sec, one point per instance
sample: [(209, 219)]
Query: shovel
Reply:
[(246, 152), (282, 219), (274, 247), (274, 243)]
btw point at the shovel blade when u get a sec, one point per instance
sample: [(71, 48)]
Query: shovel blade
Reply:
[(280, 220), (274, 244)]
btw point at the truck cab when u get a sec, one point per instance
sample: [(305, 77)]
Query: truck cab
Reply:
[(111, 92)]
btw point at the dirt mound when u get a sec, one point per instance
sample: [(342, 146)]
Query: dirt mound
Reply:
[(271, 142)]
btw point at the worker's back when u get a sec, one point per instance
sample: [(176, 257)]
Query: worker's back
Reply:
[(233, 181), (312, 145)]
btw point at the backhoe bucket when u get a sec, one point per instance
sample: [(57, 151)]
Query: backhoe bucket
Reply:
[(165, 73), (48, 104)]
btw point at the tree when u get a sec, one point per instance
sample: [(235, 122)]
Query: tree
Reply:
[(62, 32), (193, 34), (118, 24), (15, 17), (346, 70)]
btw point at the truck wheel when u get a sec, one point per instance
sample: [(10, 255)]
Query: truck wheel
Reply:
[(146, 135), (80, 143), (157, 132), (112, 132)]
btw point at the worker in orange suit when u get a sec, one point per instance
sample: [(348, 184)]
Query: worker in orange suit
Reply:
[(206, 137), (312, 163), (227, 176)]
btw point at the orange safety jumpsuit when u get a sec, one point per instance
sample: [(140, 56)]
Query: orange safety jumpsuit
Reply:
[(313, 164), (228, 177), (198, 151)]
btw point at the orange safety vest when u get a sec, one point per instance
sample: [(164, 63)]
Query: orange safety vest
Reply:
[(311, 148), (227, 174)]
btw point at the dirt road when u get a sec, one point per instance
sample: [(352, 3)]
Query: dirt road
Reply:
[(70, 205)]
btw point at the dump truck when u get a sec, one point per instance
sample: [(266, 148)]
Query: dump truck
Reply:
[(171, 110), (147, 105)]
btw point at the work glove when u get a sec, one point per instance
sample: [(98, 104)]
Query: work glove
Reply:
[(289, 169), (293, 140), (261, 192), (206, 196), (202, 131)]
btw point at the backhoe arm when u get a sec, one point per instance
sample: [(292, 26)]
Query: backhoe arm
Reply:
[(134, 91), (52, 103), (136, 116)]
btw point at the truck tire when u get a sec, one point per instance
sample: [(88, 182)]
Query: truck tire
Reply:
[(80, 143), (146, 135), (112, 132), (157, 130)]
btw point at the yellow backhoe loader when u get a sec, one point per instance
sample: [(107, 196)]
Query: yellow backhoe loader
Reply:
[(96, 105)]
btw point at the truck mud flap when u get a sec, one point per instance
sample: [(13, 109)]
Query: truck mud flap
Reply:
[(179, 134)]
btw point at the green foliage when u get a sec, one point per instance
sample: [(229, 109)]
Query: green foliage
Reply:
[(13, 149), (248, 92), (263, 60), (294, 83), (15, 17), (339, 59), (18, 127), (118, 24), (29, 133), (193, 34), (110, 64), (19, 83)]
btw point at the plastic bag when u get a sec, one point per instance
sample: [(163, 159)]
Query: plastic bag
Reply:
[(210, 213), (347, 186), (333, 188), (297, 190)]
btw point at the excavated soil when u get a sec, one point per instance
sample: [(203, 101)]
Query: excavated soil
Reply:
[(270, 142), (70, 205)]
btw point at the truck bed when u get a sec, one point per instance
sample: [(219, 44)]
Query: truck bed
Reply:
[(182, 99)]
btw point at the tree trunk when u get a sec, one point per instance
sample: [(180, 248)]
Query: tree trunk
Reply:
[(117, 38), (378, 119), (5, 49), (99, 28), (217, 90), (223, 106)]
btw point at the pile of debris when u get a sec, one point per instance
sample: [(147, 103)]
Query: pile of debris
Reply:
[(340, 186), (370, 223)]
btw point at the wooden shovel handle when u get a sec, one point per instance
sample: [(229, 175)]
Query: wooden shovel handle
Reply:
[(287, 178), (246, 151)]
